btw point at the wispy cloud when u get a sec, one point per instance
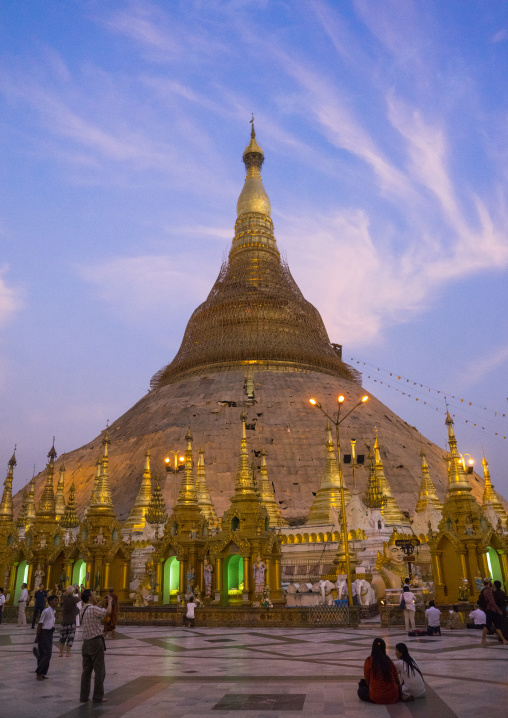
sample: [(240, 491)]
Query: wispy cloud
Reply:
[(479, 368), (11, 299)]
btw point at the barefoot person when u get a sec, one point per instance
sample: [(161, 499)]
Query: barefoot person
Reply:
[(92, 621), (381, 683), (44, 638), (410, 676), (493, 613)]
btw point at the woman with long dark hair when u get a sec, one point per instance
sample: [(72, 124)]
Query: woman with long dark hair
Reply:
[(381, 683), (410, 676)]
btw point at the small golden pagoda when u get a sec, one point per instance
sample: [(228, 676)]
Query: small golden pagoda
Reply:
[(245, 554), (60, 494), (204, 500), (137, 517), (30, 502), (466, 544), (70, 519), (392, 515), (428, 496), (490, 496), (156, 513), (327, 502), (266, 494)]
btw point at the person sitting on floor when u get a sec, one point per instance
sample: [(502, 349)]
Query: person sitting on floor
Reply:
[(410, 676), (381, 682), (188, 619), (479, 619), (433, 618), (456, 620)]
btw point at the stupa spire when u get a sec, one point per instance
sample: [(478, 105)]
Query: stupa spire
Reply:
[(428, 496), (457, 479), (204, 499), (101, 502), (156, 512), (392, 514), (137, 516), (46, 510), (59, 493), (31, 512), (22, 520), (490, 495), (267, 495), (244, 484), (70, 519), (373, 497), (188, 495), (263, 318), (327, 502), (6, 508)]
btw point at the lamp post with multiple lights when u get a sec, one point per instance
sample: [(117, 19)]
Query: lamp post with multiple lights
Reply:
[(337, 422), (177, 455)]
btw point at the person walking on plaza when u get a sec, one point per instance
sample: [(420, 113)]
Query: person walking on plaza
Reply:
[(409, 607), (494, 615), (433, 618), (44, 638), (111, 620), (188, 619), (93, 648), (68, 627), (410, 676), (381, 682), (2, 603), (501, 600), (22, 605), (40, 603)]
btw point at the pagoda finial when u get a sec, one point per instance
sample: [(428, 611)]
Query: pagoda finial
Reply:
[(70, 519), (457, 479), (243, 482), (137, 516), (46, 509), (204, 499), (327, 502), (6, 506), (156, 512), (267, 495), (392, 514), (101, 502), (59, 494), (253, 197), (373, 497), (30, 502), (22, 520), (188, 495), (428, 496)]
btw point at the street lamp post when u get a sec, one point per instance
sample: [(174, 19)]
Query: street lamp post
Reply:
[(170, 468), (337, 422)]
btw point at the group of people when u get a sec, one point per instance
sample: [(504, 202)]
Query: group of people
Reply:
[(97, 624), (386, 681)]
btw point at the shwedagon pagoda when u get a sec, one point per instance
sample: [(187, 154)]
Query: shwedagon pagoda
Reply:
[(223, 480)]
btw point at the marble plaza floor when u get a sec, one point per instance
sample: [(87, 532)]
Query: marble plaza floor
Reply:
[(184, 673)]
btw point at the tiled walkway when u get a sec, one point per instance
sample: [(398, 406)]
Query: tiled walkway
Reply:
[(193, 673)]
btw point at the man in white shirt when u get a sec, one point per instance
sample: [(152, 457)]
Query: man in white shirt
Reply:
[(22, 605), (2, 602), (433, 618), (44, 637), (94, 646), (479, 617)]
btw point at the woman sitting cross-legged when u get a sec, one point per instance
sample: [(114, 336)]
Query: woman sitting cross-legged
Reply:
[(381, 683), (410, 676)]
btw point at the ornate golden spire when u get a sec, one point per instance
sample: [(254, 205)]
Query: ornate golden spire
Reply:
[(22, 519), (98, 466), (137, 516), (244, 485), (373, 497), (490, 496), (264, 320), (204, 499), (267, 495), (6, 509), (102, 500), (156, 512), (392, 515), (188, 495), (428, 494), (59, 494), (70, 519), (31, 512), (327, 502), (457, 479), (46, 510)]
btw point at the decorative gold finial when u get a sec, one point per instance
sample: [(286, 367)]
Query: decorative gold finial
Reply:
[(70, 519), (327, 501), (204, 499)]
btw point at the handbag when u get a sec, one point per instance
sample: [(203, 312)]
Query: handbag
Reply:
[(402, 604)]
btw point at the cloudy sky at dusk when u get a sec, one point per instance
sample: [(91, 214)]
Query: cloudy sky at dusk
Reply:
[(385, 131)]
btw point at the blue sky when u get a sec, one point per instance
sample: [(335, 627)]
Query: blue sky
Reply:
[(122, 124)]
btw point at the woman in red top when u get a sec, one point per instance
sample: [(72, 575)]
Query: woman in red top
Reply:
[(381, 684)]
